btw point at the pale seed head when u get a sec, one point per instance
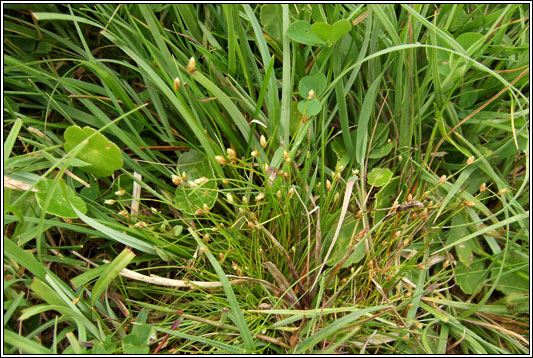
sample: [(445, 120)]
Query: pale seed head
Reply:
[(442, 179), (229, 198), (291, 192), (231, 153), (191, 66), (140, 225), (184, 176), (220, 159), (470, 160), (263, 141), (311, 95), (109, 202), (482, 188), (501, 192), (120, 192), (177, 83), (176, 179), (255, 153), (201, 180)]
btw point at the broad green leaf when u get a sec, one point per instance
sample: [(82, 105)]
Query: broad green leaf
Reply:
[(380, 152), (349, 229), (131, 345), (300, 31), (103, 155), (381, 134), (296, 118), (192, 196), (379, 177), (331, 33), (104, 347), (270, 17), (468, 97), (515, 276), (309, 108), (62, 197), (316, 82), (93, 191), (470, 279), (465, 249), (43, 48), (385, 197), (467, 39), (110, 272)]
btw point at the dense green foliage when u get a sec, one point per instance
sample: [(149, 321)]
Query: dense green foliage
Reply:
[(295, 178)]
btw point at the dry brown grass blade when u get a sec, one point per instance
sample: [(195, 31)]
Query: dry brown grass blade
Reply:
[(16, 184), (347, 194), (284, 285)]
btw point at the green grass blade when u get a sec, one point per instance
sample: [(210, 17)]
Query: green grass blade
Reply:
[(11, 138), (364, 118), (489, 228), (116, 235), (110, 272), (232, 299), (286, 89), (226, 348), (333, 328), (26, 345), (48, 16)]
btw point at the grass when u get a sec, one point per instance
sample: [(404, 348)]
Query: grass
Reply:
[(385, 212)]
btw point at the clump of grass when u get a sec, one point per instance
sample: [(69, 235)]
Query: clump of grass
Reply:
[(293, 178)]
